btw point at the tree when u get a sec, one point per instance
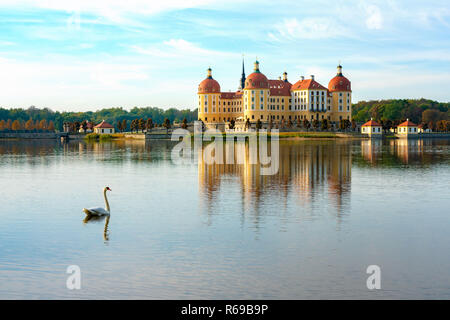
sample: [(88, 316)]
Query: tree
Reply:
[(184, 123), (344, 124), (232, 124), (141, 124), (29, 125), (299, 123), (167, 124), (247, 124), (133, 125), (315, 124), (306, 124), (51, 126), (289, 124), (258, 125), (432, 126), (77, 126), (43, 124), (324, 125), (149, 124), (16, 125), (353, 125), (432, 115), (442, 125), (124, 124), (119, 125), (2, 125), (84, 125), (270, 123)]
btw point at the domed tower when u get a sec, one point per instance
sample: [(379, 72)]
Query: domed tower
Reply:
[(341, 96), (256, 96), (208, 99)]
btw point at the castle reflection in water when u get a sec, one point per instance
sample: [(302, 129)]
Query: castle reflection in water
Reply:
[(308, 170)]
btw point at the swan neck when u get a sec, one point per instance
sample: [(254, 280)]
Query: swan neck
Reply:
[(106, 201)]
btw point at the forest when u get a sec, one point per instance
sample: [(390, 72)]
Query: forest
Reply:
[(55, 119), (396, 110)]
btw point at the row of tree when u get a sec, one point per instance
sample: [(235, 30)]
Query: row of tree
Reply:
[(111, 115), (136, 125), (315, 124), (396, 110), (29, 125)]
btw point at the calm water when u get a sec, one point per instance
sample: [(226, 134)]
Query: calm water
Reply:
[(224, 231)]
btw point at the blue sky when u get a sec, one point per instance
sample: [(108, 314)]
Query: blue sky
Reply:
[(82, 55)]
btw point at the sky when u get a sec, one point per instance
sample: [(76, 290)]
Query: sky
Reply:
[(87, 55)]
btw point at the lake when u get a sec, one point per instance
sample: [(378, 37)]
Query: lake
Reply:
[(200, 231)]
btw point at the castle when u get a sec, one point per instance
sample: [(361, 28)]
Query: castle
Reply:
[(259, 98)]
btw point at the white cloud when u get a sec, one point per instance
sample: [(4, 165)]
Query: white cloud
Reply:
[(374, 17), (180, 48), (308, 28), (107, 8), (113, 76)]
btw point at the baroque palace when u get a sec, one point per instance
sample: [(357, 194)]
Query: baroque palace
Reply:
[(279, 100)]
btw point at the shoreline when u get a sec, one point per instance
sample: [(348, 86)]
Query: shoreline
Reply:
[(292, 136)]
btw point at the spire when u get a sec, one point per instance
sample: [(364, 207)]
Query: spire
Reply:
[(339, 69), (256, 66), (209, 76), (285, 76), (242, 81)]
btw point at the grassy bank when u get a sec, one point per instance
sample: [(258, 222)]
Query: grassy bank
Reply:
[(103, 137), (326, 135), (286, 135)]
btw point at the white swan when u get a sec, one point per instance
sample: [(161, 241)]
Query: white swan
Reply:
[(99, 211)]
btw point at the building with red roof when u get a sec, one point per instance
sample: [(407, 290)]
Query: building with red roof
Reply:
[(104, 128), (372, 128), (407, 128), (260, 98)]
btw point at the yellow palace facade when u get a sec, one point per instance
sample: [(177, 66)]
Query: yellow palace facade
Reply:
[(259, 98)]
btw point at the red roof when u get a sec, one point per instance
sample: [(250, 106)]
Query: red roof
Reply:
[(256, 80), (209, 85), (339, 83), (307, 84), (280, 88), (371, 123), (104, 125), (407, 123), (229, 95)]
